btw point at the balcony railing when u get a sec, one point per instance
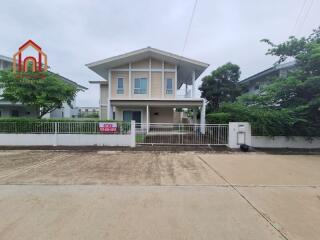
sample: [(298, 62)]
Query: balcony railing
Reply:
[(183, 95)]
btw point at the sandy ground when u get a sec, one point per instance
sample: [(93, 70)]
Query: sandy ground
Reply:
[(158, 195)]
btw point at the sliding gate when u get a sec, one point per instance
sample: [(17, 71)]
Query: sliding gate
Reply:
[(182, 134)]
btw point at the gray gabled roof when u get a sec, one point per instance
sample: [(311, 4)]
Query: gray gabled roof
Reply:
[(269, 71), (185, 65)]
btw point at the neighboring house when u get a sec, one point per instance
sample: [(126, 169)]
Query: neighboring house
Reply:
[(9, 109), (65, 112), (142, 85), (257, 81), (88, 111)]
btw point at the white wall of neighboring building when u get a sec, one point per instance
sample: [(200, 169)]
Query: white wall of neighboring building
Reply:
[(65, 112)]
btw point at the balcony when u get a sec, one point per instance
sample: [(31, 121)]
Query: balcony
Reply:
[(187, 95)]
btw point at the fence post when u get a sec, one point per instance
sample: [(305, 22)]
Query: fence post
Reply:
[(55, 134), (133, 133)]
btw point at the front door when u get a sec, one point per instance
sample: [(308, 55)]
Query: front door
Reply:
[(132, 115)]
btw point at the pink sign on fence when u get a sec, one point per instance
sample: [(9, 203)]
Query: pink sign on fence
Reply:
[(107, 127)]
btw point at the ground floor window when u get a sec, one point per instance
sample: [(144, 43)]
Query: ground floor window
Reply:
[(15, 113), (132, 115)]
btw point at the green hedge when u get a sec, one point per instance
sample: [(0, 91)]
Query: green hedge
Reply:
[(264, 122), (218, 118), (33, 125), (22, 119)]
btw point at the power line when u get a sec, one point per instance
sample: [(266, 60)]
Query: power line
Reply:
[(189, 27), (305, 17), (298, 17)]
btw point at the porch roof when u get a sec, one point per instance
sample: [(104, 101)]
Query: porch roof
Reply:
[(158, 102), (185, 65)]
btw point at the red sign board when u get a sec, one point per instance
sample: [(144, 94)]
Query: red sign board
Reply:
[(106, 127)]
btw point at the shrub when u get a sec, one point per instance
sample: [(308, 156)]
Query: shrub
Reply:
[(30, 119), (218, 118), (34, 125), (264, 121)]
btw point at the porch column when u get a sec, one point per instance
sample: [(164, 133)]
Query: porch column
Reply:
[(130, 82), (100, 114), (203, 117), (193, 84), (162, 80), (194, 111), (149, 82), (148, 119), (109, 110)]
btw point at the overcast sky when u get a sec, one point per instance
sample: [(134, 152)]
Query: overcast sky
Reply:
[(74, 33)]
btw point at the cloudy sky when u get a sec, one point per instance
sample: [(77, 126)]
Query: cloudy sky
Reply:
[(76, 32)]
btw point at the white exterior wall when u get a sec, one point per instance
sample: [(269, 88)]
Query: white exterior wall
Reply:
[(153, 71), (285, 142), (66, 140)]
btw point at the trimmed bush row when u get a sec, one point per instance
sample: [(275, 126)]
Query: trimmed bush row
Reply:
[(264, 122)]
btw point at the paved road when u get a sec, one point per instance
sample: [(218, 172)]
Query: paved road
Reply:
[(158, 195)]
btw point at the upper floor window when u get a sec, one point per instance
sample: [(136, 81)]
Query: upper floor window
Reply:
[(140, 86), (169, 86), (120, 86)]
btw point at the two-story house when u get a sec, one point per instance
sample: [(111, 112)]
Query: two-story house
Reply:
[(256, 82), (143, 86)]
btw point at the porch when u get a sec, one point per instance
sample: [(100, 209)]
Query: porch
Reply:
[(159, 111)]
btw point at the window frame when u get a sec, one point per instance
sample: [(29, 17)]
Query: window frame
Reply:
[(138, 90), (169, 91), (120, 90)]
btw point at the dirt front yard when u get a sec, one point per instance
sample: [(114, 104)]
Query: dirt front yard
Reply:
[(158, 195)]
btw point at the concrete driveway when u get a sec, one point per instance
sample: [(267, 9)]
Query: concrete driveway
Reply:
[(158, 195)]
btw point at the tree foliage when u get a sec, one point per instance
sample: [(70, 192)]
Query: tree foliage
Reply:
[(264, 121), (221, 86), (45, 91), (290, 105)]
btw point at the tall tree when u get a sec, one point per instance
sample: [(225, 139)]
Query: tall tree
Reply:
[(221, 86), (45, 91)]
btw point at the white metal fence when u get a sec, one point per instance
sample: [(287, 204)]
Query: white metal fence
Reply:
[(181, 134), (38, 133), (61, 128)]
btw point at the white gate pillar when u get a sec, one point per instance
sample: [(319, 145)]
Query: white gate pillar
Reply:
[(203, 118), (194, 112), (133, 133), (239, 133)]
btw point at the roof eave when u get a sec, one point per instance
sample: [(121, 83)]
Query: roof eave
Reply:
[(143, 50)]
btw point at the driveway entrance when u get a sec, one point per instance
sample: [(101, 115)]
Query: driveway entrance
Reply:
[(182, 134)]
